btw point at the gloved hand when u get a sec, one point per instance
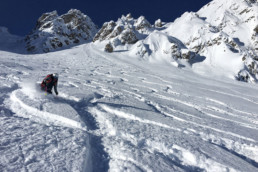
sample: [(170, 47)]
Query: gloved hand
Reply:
[(56, 93)]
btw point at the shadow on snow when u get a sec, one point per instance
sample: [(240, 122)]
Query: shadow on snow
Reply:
[(100, 158)]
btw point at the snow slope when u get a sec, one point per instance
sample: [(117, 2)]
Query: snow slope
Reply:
[(118, 113)]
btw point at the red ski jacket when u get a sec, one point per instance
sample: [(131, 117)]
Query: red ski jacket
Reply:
[(48, 82)]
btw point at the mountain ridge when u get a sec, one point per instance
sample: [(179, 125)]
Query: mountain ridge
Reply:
[(52, 31)]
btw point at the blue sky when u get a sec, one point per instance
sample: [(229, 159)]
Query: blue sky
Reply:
[(20, 16)]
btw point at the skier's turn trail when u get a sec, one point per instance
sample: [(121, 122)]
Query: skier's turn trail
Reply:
[(214, 123)]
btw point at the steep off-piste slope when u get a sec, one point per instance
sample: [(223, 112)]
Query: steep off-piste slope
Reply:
[(162, 100)]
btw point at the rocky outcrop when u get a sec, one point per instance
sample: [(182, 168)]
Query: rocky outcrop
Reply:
[(126, 30), (158, 23), (107, 31), (251, 1), (256, 30), (255, 38), (128, 36), (250, 73), (109, 48), (141, 23), (53, 31)]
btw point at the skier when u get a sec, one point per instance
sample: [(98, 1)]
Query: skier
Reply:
[(48, 82)]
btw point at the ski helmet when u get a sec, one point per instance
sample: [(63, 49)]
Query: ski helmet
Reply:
[(55, 75)]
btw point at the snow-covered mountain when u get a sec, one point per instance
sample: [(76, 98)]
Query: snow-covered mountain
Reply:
[(126, 30), (220, 39), (53, 31), (238, 20), (149, 42)]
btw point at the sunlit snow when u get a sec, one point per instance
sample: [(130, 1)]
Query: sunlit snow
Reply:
[(122, 112)]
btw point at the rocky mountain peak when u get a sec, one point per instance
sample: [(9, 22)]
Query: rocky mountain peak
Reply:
[(45, 19), (53, 31), (158, 23), (129, 16), (142, 23), (126, 30)]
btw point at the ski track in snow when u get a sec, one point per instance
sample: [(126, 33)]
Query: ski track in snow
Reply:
[(116, 114)]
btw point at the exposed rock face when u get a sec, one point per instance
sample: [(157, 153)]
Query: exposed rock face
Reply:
[(128, 36), (187, 54), (126, 30), (256, 30), (109, 48), (53, 31), (251, 1), (142, 23), (243, 75), (158, 23), (255, 38), (106, 30)]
